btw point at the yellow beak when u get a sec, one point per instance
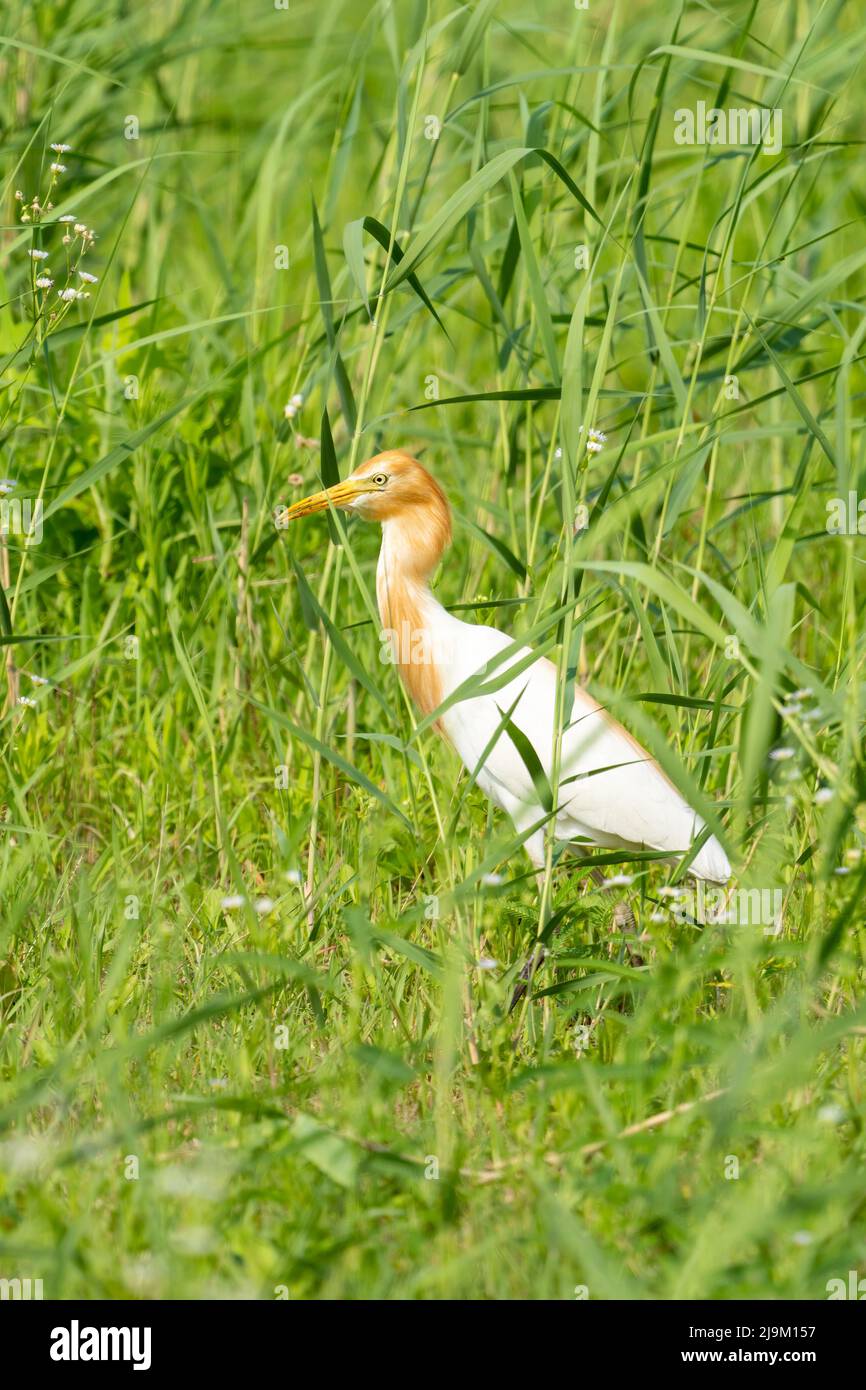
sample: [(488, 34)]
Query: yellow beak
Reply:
[(337, 496)]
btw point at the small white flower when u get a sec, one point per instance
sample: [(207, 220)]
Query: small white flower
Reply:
[(668, 892), (68, 217), (802, 694), (488, 963), (263, 906), (853, 855), (38, 255), (80, 227), (68, 294), (219, 1083), (294, 876), (781, 755), (788, 710), (297, 400), (27, 700), (802, 1238), (842, 870), (39, 680), (58, 168), (24, 1155), (832, 1115), (232, 901), (19, 196), (557, 453), (619, 881), (44, 282), (60, 148), (492, 880), (6, 486), (658, 917), (290, 411), (88, 278), (823, 795)]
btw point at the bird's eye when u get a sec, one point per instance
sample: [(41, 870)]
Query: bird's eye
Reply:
[(380, 479)]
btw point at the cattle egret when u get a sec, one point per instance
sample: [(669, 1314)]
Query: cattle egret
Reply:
[(609, 791)]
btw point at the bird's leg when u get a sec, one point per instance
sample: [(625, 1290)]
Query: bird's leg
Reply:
[(535, 848), (624, 922), (526, 975), (540, 950)]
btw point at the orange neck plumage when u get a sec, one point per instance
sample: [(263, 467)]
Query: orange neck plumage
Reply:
[(413, 542)]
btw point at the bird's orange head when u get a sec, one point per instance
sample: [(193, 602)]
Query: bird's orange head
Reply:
[(396, 490), (388, 487)]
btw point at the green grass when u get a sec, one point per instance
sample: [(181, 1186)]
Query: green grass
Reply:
[(200, 1099)]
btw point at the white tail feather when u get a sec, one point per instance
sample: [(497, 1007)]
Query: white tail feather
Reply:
[(711, 863)]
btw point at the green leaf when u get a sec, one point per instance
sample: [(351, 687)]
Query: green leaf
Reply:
[(466, 197), (467, 45), (530, 760), (383, 236), (329, 470), (323, 281), (353, 249), (336, 1157), (338, 641), (336, 759), (536, 285), (514, 564)]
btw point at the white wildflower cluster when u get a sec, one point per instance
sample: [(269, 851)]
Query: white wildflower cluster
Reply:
[(595, 442), (77, 239), (794, 707), (28, 701), (261, 906), (291, 409)]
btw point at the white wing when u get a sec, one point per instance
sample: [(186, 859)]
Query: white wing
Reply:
[(611, 791)]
